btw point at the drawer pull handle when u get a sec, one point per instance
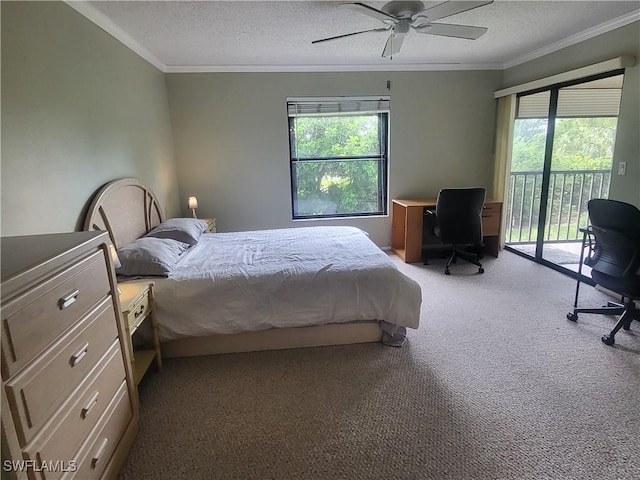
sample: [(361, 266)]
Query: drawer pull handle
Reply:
[(139, 312), (79, 355), (68, 299), (92, 403), (99, 453)]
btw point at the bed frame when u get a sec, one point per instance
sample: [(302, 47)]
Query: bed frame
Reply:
[(128, 210)]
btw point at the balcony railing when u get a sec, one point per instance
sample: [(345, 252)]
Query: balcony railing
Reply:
[(569, 193)]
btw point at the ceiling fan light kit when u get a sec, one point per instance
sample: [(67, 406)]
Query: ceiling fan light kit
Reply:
[(401, 17)]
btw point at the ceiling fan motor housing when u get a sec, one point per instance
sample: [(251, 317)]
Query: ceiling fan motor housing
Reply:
[(403, 10)]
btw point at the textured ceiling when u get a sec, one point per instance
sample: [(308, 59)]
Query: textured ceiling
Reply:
[(277, 35)]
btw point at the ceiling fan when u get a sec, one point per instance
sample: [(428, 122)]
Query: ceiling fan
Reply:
[(400, 17)]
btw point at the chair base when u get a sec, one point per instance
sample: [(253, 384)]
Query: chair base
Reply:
[(627, 311), (467, 256)]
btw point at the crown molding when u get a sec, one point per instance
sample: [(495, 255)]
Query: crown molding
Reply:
[(88, 11), (328, 68), (577, 38)]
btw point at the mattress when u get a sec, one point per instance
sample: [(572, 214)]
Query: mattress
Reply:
[(247, 281)]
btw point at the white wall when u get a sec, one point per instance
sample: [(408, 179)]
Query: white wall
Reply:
[(231, 138), (623, 41), (78, 110)]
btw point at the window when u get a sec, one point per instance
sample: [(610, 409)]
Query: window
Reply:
[(338, 151)]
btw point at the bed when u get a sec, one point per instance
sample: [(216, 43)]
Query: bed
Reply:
[(261, 290)]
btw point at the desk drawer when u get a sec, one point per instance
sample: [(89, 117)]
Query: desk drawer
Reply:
[(491, 219), (96, 452), (32, 322), (65, 438), (43, 386)]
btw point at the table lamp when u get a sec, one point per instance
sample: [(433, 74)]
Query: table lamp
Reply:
[(192, 205)]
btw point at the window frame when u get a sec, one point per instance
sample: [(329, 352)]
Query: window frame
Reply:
[(382, 158)]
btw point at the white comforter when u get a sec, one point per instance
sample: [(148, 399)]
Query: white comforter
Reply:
[(235, 282)]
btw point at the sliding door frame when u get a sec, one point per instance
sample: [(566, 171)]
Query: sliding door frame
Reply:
[(546, 169)]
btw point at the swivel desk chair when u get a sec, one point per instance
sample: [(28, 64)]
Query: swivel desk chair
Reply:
[(458, 222), (614, 258)]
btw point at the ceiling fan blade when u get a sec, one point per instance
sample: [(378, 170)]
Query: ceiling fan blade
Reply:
[(447, 9), (447, 30), (381, 29), (393, 45), (370, 11)]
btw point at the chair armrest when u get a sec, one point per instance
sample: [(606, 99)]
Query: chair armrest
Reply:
[(431, 221)]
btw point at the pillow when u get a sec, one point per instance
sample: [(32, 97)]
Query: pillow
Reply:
[(187, 230), (149, 256)]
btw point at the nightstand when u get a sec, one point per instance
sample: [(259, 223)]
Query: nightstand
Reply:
[(211, 225), (136, 301)]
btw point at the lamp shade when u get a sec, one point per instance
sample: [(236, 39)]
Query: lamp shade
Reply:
[(193, 203)]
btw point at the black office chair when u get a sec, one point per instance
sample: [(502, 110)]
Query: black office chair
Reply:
[(614, 258), (458, 221)]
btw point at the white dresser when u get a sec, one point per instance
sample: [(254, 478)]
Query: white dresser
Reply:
[(69, 404)]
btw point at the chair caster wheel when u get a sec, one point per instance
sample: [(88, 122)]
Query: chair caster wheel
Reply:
[(481, 270), (447, 272), (608, 340), (573, 317)]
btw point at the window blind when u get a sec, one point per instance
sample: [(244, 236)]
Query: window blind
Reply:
[(572, 102), (534, 106), (339, 105), (585, 102)]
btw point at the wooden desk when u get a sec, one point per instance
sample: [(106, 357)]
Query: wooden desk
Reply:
[(406, 227)]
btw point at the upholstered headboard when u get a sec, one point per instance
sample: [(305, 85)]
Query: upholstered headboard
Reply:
[(126, 209)]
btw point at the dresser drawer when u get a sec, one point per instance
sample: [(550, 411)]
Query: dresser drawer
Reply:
[(138, 312), (62, 440), (33, 321), (38, 390), (96, 452), (65, 359)]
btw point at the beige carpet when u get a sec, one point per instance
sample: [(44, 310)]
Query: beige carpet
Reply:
[(495, 384)]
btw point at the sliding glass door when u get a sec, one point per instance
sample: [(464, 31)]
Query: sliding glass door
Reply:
[(562, 157)]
